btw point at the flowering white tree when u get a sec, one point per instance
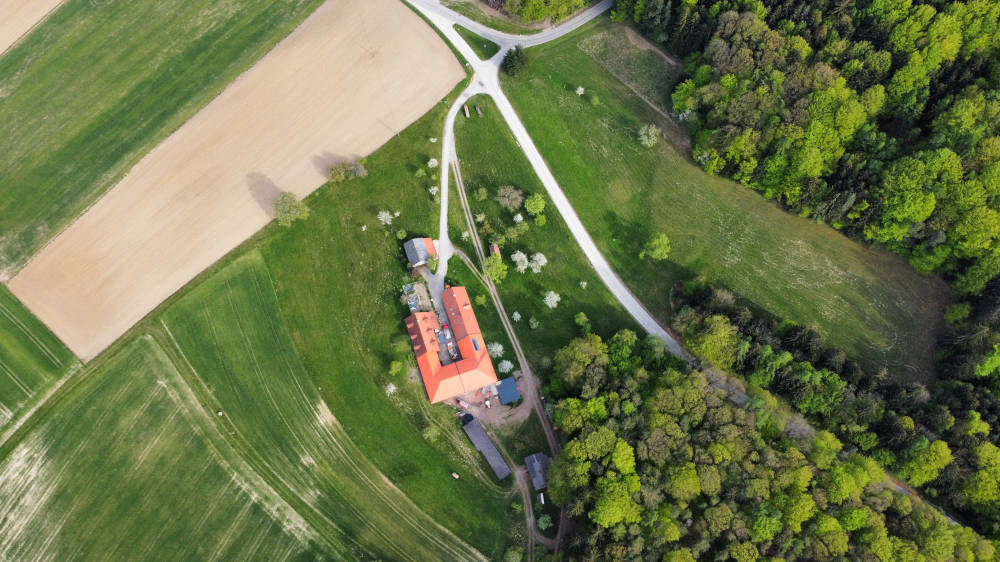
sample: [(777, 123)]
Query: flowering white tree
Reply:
[(538, 261), (433, 189), (384, 217), (552, 299), (390, 389), (580, 91), (432, 163), (516, 317), (466, 235), (505, 366), (395, 214), (364, 227), (480, 217), (433, 140), (496, 349), (583, 284), (518, 218), (520, 261)]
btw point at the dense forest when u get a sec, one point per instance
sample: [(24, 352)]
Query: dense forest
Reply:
[(880, 118), (660, 465)]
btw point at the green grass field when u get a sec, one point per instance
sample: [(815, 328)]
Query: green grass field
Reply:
[(231, 331), (868, 302), (128, 466), (484, 48), (490, 158), (98, 84), (31, 359), (318, 306)]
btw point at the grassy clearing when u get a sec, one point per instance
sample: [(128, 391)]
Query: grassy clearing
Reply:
[(641, 66), (138, 71), (477, 11), (490, 158), (31, 358), (868, 302), (231, 331), (126, 467), (484, 48)]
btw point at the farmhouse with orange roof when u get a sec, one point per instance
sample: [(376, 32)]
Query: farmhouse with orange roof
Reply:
[(452, 359)]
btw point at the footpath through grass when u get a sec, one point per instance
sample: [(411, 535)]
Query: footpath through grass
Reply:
[(490, 159), (31, 359), (484, 48), (868, 302), (94, 87), (126, 468)]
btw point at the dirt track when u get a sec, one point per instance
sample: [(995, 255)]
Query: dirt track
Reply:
[(352, 75), (18, 17)]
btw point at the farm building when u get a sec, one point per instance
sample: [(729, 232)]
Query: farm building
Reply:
[(483, 444), (508, 391), (452, 359), (538, 468), (419, 250)]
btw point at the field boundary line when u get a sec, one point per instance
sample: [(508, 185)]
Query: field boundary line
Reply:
[(33, 27), (251, 466), (34, 339), (9, 432)]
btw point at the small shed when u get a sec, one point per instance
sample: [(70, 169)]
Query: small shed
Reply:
[(418, 250), (538, 468), (483, 444), (507, 389)]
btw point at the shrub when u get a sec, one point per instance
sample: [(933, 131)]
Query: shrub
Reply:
[(514, 61), (289, 209), (535, 204), (649, 135), (510, 197)]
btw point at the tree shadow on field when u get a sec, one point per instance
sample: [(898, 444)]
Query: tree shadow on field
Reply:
[(264, 191), (325, 160)]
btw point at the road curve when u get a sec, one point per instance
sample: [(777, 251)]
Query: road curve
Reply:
[(486, 80)]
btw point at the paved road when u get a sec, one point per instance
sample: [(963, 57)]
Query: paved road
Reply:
[(486, 80)]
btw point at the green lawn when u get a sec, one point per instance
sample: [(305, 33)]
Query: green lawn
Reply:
[(231, 330), (476, 11), (866, 301), (484, 48), (490, 158), (31, 359), (338, 277), (98, 84), (128, 466)]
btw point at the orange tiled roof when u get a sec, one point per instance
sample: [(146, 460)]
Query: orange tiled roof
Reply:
[(431, 250), (473, 371)]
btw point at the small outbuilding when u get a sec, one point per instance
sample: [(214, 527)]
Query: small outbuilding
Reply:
[(538, 468), (419, 250), (507, 389), (483, 444)]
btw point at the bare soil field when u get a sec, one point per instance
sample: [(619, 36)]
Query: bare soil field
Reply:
[(18, 17), (352, 75)]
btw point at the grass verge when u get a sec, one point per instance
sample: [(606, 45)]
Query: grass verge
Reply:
[(868, 302), (484, 48)]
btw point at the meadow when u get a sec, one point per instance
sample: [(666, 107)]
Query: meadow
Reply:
[(866, 301), (128, 466), (476, 11), (97, 84), (490, 158), (31, 360)]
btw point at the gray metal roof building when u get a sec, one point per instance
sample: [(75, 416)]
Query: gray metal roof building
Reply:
[(538, 467), (483, 444)]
